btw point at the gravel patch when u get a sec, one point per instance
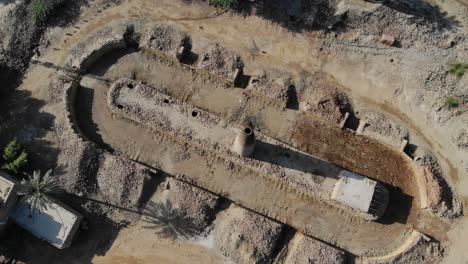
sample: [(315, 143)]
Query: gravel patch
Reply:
[(304, 250), (441, 199), (220, 61), (168, 39), (243, 236), (383, 128), (462, 139), (198, 205), (273, 84), (322, 98), (120, 181)]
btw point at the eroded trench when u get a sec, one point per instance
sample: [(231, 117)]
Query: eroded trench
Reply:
[(252, 183)]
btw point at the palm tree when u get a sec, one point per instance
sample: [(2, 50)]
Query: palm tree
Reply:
[(35, 189)]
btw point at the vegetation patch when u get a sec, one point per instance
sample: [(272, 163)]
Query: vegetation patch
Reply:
[(15, 157), (36, 188), (451, 102), (224, 3), (458, 69), (39, 11)]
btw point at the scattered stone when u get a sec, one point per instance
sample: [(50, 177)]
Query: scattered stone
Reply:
[(462, 139), (440, 197), (198, 205), (120, 181), (387, 39), (304, 249), (383, 128), (320, 97), (243, 236), (170, 40), (273, 84), (221, 62)]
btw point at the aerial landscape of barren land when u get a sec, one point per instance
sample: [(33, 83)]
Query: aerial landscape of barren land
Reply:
[(233, 131)]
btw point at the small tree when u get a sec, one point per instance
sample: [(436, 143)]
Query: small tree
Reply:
[(12, 151), (15, 157), (36, 188), (18, 164)]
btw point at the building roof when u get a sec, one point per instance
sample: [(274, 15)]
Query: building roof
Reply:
[(6, 186), (8, 195), (354, 190), (55, 222)]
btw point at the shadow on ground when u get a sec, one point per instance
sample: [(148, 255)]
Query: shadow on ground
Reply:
[(301, 15), (423, 11), (25, 39), (168, 221), (21, 117), (399, 207), (295, 15), (295, 160)]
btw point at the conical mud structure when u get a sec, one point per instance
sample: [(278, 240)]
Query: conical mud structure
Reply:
[(244, 143)]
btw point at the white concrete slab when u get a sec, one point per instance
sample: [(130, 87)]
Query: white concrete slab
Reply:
[(354, 190)]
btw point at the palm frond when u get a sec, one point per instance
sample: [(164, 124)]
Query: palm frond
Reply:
[(35, 189), (168, 221)]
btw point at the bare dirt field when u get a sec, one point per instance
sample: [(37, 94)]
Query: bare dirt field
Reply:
[(136, 104)]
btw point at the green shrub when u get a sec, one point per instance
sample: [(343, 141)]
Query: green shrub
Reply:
[(39, 10), (15, 157), (458, 69), (18, 164), (12, 151), (451, 102), (224, 3)]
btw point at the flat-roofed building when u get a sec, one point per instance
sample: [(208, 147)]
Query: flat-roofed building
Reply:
[(54, 222), (8, 196)]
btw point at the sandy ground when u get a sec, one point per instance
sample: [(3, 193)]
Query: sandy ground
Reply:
[(286, 50), (150, 148), (138, 245)]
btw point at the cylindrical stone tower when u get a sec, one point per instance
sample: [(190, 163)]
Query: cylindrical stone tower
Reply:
[(244, 143)]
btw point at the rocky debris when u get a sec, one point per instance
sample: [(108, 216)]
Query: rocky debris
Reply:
[(272, 84), (382, 127), (387, 39), (168, 39), (243, 236), (120, 181), (221, 62), (405, 24), (462, 139), (80, 176), (441, 199), (322, 98), (198, 205), (304, 249)]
